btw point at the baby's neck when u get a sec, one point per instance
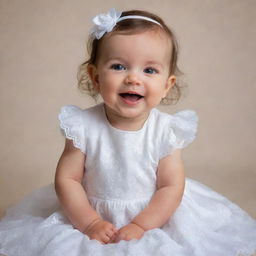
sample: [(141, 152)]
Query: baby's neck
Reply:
[(126, 123)]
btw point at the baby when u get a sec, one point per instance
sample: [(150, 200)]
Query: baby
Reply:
[(120, 180)]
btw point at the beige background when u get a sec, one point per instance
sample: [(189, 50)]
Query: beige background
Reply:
[(42, 44)]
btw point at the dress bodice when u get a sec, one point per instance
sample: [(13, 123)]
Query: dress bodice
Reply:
[(122, 165)]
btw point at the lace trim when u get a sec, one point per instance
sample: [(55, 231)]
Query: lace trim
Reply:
[(182, 131), (71, 124), (184, 128)]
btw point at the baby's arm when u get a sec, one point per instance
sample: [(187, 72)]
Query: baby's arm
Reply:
[(170, 188), (73, 198)]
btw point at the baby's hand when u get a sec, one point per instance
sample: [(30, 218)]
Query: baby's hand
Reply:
[(128, 232), (101, 230)]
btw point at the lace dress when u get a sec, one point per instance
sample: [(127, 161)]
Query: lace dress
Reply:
[(120, 179)]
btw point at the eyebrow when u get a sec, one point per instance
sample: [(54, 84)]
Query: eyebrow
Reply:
[(154, 63), (110, 58)]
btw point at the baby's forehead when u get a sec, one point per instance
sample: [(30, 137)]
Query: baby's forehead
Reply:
[(148, 44), (152, 35)]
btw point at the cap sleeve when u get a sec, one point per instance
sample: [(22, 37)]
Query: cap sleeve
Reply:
[(72, 126), (181, 131)]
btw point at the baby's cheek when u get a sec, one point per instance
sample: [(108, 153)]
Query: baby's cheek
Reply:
[(154, 98)]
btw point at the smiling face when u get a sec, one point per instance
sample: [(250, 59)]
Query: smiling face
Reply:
[(132, 73)]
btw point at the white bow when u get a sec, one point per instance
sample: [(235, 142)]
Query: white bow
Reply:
[(105, 22)]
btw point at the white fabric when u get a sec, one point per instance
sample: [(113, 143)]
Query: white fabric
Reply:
[(105, 22), (120, 179)]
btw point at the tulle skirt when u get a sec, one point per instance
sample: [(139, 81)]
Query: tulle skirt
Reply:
[(205, 224)]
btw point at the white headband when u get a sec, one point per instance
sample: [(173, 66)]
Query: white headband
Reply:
[(106, 22)]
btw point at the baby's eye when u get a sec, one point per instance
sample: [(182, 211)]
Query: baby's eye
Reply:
[(150, 70), (117, 67)]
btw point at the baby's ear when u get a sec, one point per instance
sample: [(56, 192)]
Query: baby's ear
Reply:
[(93, 74), (170, 83)]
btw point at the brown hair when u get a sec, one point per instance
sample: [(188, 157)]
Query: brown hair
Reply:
[(132, 26)]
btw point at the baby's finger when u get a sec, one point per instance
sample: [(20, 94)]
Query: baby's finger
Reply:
[(111, 232), (112, 240), (119, 237), (113, 237), (106, 239), (115, 229)]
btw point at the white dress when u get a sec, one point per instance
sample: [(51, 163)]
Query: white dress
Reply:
[(120, 179)]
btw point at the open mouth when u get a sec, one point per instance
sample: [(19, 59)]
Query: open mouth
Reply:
[(131, 96)]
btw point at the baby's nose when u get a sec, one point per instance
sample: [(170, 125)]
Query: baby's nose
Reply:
[(132, 79)]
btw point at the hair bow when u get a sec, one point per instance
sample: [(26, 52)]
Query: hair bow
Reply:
[(105, 22)]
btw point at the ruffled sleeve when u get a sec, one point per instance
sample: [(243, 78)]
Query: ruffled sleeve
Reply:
[(72, 126), (181, 131)]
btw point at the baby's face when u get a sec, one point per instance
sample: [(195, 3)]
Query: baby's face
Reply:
[(132, 73)]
